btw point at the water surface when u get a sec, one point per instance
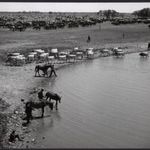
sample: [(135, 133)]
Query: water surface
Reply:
[(105, 104)]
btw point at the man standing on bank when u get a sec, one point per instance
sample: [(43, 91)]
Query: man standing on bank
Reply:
[(53, 71), (28, 111)]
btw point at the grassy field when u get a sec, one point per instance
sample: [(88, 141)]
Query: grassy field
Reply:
[(101, 36)]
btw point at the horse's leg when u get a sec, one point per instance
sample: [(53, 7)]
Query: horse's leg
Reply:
[(35, 71), (46, 73), (39, 73), (55, 73), (50, 74), (56, 105), (43, 70), (42, 111)]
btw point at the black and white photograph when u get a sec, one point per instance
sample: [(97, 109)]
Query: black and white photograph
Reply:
[(74, 75)]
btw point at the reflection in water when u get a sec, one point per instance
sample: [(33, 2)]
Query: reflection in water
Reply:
[(56, 115), (118, 58), (143, 59), (46, 124), (52, 83)]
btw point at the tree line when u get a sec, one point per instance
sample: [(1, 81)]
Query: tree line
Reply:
[(143, 13)]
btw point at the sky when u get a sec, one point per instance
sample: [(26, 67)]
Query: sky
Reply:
[(72, 7)]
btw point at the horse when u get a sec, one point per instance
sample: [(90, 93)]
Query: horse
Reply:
[(53, 96), (144, 54), (41, 105), (43, 68)]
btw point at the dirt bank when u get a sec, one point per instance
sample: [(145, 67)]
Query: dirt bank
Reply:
[(17, 83)]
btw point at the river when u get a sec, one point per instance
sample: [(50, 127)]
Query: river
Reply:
[(105, 104)]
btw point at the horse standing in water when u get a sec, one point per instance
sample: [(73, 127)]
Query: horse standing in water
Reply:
[(43, 68), (41, 105), (53, 96)]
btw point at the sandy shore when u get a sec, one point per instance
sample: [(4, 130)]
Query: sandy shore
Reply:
[(19, 82)]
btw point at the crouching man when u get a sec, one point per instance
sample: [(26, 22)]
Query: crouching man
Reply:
[(13, 136)]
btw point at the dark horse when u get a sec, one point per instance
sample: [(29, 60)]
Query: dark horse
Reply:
[(43, 68), (41, 105), (53, 96), (144, 54)]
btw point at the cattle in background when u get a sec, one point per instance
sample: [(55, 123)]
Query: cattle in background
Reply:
[(39, 52), (54, 52), (51, 59), (16, 59), (118, 52), (32, 57), (44, 57), (90, 53), (105, 52), (71, 57), (62, 56)]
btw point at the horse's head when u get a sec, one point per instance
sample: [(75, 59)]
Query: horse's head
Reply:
[(58, 98)]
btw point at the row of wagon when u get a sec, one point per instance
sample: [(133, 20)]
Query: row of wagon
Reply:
[(54, 56)]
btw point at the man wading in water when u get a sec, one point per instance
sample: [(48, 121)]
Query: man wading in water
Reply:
[(53, 71)]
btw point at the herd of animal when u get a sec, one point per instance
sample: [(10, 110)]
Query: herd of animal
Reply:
[(55, 56), (15, 24), (47, 22)]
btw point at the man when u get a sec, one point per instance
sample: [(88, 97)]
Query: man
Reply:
[(123, 35), (28, 111), (53, 71), (89, 39), (41, 95)]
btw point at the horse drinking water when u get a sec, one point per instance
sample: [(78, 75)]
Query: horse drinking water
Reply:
[(53, 96), (40, 105), (43, 68)]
